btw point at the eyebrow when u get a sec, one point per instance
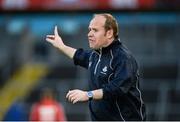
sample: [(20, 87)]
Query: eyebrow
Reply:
[(92, 28)]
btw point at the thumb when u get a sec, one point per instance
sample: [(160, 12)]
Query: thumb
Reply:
[(56, 31)]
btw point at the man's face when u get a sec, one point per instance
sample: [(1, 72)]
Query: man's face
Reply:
[(97, 35)]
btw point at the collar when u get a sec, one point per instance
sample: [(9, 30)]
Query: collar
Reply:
[(113, 44)]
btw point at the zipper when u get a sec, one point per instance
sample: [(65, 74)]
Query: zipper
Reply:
[(98, 62)]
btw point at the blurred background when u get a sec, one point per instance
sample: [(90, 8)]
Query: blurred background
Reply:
[(149, 28)]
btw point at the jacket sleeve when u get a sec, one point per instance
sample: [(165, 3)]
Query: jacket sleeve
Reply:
[(124, 79), (81, 58)]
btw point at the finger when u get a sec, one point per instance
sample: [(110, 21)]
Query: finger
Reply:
[(72, 94), (56, 31), (50, 36), (49, 40), (69, 93), (72, 98), (75, 101)]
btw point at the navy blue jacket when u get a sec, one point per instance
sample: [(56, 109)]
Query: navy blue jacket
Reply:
[(114, 70)]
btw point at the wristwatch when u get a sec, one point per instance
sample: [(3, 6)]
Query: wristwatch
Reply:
[(90, 95)]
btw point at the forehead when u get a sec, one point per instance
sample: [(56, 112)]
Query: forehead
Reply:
[(97, 21)]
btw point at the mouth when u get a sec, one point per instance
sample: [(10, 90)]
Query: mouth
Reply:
[(91, 40)]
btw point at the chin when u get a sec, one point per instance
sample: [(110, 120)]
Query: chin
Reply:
[(93, 47)]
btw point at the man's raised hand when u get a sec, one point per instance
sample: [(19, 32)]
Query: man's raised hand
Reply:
[(55, 39)]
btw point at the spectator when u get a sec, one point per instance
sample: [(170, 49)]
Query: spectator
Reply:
[(47, 109), (16, 112)]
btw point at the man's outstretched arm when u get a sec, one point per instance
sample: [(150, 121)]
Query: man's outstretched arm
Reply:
[(57, 42)]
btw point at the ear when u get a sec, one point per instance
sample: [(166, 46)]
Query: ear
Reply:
[(109, 34)]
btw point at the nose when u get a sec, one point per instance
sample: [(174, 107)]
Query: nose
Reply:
[(89, 34)]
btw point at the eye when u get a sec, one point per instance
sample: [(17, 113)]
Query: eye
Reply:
[(95, 30)]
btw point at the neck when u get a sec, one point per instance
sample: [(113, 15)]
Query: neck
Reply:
[(108, 42)]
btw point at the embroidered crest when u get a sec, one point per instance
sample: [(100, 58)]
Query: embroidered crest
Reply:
[(104, 69)]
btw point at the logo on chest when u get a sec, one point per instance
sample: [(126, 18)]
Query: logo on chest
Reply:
[(104, 70)]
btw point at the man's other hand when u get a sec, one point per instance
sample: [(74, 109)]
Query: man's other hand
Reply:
[(75, 96)]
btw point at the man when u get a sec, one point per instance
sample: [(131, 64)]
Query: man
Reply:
[(114, 84)]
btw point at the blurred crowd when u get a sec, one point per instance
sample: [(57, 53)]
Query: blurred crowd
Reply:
[(89, 4)]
